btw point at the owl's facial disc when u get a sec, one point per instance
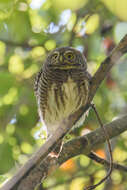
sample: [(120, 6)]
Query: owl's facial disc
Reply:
[(64, 60)]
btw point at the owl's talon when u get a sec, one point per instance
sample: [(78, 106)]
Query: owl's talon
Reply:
[(54, 155), (57, 151)]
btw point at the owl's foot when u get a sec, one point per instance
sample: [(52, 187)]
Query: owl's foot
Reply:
[(53, 155), (56, 152)]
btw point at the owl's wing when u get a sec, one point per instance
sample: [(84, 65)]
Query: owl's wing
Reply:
[(36, 82)]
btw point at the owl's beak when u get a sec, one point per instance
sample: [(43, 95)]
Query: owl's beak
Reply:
[(65, 63), (61, 58)]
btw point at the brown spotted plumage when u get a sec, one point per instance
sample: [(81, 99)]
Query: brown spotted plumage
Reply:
[(61, 86)]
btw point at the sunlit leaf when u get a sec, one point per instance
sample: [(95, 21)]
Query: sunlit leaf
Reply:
[(16, 65), (118, 7), (50, 44), (77, 183), (10, 129), (71, 4), (26, 148), (92, 24)]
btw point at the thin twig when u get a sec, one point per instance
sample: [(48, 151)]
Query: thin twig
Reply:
[(26, 45), (104, 162), (73, 33), (110, 151)]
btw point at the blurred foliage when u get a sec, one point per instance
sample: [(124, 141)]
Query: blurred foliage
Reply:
[(28, 30)]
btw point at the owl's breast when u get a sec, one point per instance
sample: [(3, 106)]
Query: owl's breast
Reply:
[(62, 99)]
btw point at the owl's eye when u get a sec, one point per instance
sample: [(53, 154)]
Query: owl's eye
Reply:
[(69, 55), (54, 56)]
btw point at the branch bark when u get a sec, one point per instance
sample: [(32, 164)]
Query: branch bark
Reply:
[(22, 44), (81, 145), (67, 123)]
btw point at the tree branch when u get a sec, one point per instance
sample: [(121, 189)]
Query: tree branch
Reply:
[(80, 145), (67, 123), (26, 45), (107, 64), (13, 43)]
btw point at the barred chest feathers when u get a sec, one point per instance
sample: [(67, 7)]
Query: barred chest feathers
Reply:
[(61, 100)]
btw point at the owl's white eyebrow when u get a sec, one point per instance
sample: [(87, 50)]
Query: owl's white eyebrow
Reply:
[(56, 52), (68, 51)]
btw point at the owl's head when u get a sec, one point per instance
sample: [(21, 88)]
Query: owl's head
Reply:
[(65, 58)]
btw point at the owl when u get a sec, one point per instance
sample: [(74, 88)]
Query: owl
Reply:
[(61, 87)]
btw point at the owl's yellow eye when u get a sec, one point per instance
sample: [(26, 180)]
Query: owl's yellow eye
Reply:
[(55, 56), (69, 55)]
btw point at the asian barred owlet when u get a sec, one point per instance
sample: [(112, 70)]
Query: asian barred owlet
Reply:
[(61, 86)]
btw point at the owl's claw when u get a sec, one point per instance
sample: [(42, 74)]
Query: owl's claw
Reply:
[(53, 155), (57, 151)]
